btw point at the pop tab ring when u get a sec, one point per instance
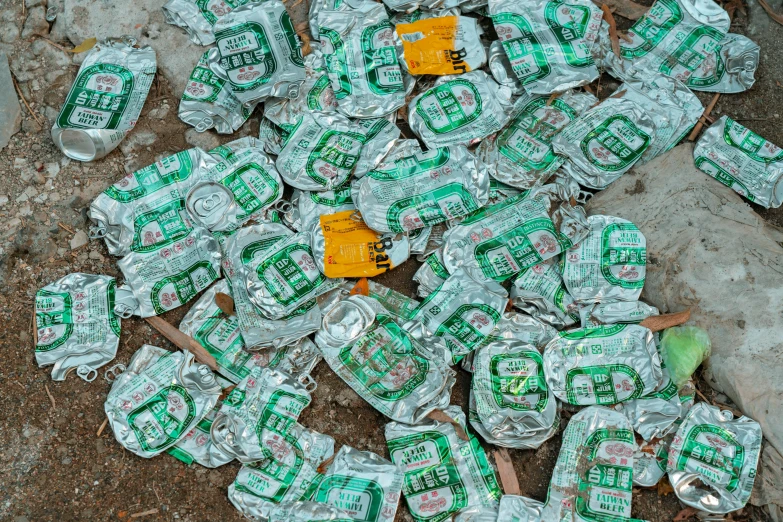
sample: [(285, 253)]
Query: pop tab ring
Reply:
[(308, 382), (115, 371), (86, 372), (209, 202)]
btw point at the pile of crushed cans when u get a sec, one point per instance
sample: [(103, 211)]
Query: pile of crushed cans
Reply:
[(518, 286)]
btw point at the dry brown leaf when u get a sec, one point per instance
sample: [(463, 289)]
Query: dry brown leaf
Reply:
[(685, 514), (664, 487), (86, 45), (441, 416), (657, 323), (612, 29), (626, 8), (225, 303), (362, 287)]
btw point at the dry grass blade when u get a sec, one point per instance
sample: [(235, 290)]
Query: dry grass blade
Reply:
[(103, 427), (51, 397), (626, 8), (19, 92), (612, 30), (657, 323), (771, 12), (508, 476), (145, 513)]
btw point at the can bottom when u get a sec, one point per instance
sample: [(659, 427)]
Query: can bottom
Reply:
[(77, 144)]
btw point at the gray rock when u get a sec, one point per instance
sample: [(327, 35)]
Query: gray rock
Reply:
[(205, 140), (10, 110), (707, 250), (137, 140), (79, 239), (34, 3), (9, 32), (36, 22), (177, 55)]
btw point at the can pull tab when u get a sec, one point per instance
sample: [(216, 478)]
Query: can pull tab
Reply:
[(293, 91), (583, 197), (115, 371), (86, 372), (205, 124), (308, 382), (97, 232)]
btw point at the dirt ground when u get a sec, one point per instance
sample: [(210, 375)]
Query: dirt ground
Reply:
[(53, 466)]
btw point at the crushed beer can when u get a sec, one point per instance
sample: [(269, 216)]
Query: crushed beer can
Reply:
[(265, 404), (713, 459), (378, 136), (674, 37), (513, 402), (168, 277), (459, 110), (517, 508), (459, 315), (548, 42), (308, 207), (361, 58), (525, 329), (730, 68), (364, 485), (499, 241), (243, 254), (609, 264), (654, 416), (742, 160), (441, 45), (602, 365), (593, 475), (385, 365), (615, 312), (196, 446), (540, 292), (431, 274), (272, 137), (649, 462), (477, 514), (145, 210), (260, 486), (344, 246), (443, 473), (198, 17), (422, 189), (674, 105), (501, 70), (521, 154), (105, 100), (209, 103), (286, 277), (400, 307), (75, 325), (258, 52), (308, 512), (158, 399), (605, 142), (240, 188)]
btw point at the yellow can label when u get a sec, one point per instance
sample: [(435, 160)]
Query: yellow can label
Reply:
[(431, 46), (352, 249)]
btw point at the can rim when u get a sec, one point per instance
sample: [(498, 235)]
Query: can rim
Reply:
[(74, 143)]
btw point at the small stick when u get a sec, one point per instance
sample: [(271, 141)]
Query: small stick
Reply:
[(145, 513), (440, 416), (183, 341), (103, 427), (51, 397), (702, 119), (60, 47), (657, 323), (16, 85), (66, 227), (612, 29), (508, 477), (323, 466)]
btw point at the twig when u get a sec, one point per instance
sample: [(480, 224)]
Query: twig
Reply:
[(16, 85), (20, 385), (66, 227), (771, 12), (154, 490), (703, 118), (626, 8), (508, 476), (295, 4), (701, 395), (612, 30), (103, 427), (183, 341), (441, 416), (60, 47), (145, 513), (51, 397), (552, 98)]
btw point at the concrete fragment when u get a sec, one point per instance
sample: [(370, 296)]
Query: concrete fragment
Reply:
[(10, 110), (35, 23), (79, 239)]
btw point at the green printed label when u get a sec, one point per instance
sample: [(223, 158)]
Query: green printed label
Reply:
[(253, 188), (222, 340), (605, 384), (413, 165), (569, 23), (381, 68), (335, 154), (98, 98), (653, 28), (615, 144), (175, 290), (468, 327), (334, 198), (430, 208), (753, 145), (160, 227), (450, 106), (291, 40), (708, 166), (524, 50), (518, 381), (691, 52), (246, 56), (336, 62), (152, 178), (714, 453), (606, 481), (623, 255), (203, 85), (213, 10), (163, 418), (54, 319), (290, 274), (360, 498)]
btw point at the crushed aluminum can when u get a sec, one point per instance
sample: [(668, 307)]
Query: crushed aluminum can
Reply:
[(363, 484), (654, 416), (196, 446), (477, 514), (540, 292), (265, 404), (501, 240), (603, 365), (443, 473), (675, 107), (164, 279), (525, 329), (258, 52), (548, 42), (308, 512), (713, 458), (400, 307), (315, 94), (243, 253), (605, 142), (513, 402), (272, 137), (500, 191), (105, 100), (198, 17), (459, 316), (674, 37), (308, 207), (593, 475), (459, 110), (75, 325), (422, 189), (441, 46), (742, 160), (145, 210), (159, 398), (500, 68), (321, 152), (259, 487), (208, 102), (731, 67), (649, 462), (239, 189), (286, 277), (419, 239), (344, 246), (520, 509), (387, 367), (521, 154), (378, 136), (609, 264), (616, 312), (361, 58), (431, 274)]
